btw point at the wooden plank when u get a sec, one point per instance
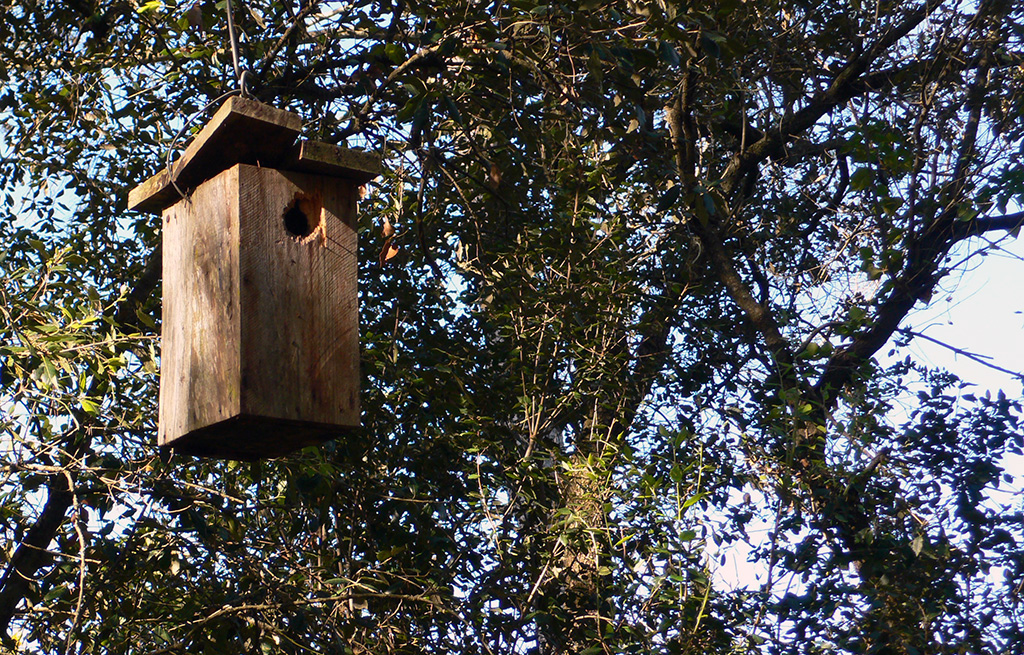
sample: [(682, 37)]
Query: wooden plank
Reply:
[(255, 437), (242, 131), (300, 333), (326, 159), (200, 358)]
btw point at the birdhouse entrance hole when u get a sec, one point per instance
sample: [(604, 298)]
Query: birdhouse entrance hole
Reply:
[(303, 215)]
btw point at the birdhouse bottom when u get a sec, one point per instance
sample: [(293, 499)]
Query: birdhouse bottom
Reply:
[(250, 438)]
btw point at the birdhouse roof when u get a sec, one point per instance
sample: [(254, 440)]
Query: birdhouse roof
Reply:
[(245, 131)]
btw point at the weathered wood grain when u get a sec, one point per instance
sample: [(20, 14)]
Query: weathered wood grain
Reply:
[(260, 318), (242, 131), (324, 158), (200, 356), (300, 338), (261, 341)]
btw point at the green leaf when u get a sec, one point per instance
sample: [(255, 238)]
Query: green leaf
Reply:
[(395, 53), (891, 205), (668, 198), (145, 318), (709, 204), (89, 406), (55, 593), (710, 45), (151, 6), (862, 179), (409, 109), (696, 498), (668, 53), (917, 544), (676, 474), (47, 374)]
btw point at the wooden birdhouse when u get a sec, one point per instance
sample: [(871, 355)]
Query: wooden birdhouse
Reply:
[(260, 343)]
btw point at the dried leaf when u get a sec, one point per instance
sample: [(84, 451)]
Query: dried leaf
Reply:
[(387, 252), (495, 175), (387, 230), (258, 17)]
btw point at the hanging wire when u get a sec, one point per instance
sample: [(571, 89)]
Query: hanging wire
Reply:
[(242, 90), (191, 119), (240, 72)]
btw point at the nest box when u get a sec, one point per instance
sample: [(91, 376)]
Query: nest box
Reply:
[(260, 342)]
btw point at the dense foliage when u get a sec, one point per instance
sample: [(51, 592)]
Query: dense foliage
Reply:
[(655, 263)]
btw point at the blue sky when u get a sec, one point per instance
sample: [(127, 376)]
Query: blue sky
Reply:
[(981, 311)]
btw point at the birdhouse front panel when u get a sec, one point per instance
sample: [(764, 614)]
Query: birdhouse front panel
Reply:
[(299, 333), (261, 344)]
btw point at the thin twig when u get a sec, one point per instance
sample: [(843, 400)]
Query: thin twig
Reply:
[(980, 359)]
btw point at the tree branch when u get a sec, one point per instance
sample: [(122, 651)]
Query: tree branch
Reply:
[(720, 259), (849, 83), (32, 554), (984, 224), (925, 249), (980, 359)]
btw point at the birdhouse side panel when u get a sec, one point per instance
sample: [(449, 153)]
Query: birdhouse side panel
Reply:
[(199, 383), (300, 335)]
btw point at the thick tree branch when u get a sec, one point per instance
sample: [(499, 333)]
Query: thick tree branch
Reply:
[(32, 555), (925, 251), (720, 259), (849, 83), (678, 115), (985, 224)]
